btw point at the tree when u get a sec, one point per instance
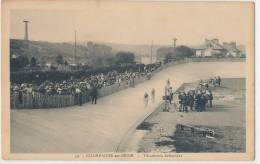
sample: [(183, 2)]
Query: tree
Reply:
[(66, 62), (168, 57), (18, 62), (166, 53), (183, 51), (109, 61), (33, 62), (99, 54), (59, 59), (124, 57)]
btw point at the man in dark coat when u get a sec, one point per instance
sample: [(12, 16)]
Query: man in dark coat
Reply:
[(180, 101), (94, 95), (210, 98), (20, 96), (183, 102), (190, 99), (219, 80), (198, 101), (171, 95), (203, 102)]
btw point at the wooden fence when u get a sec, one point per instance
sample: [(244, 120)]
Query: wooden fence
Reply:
[(197, 59), (38, 100)]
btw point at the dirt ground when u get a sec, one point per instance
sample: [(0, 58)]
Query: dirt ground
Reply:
[(226, 118)]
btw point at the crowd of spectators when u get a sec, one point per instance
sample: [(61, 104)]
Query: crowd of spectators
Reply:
[(200, 97), (72, 86)]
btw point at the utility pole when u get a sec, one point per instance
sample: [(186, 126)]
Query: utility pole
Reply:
[(26, 37), (174, 42), (152, 52), (75, 48)]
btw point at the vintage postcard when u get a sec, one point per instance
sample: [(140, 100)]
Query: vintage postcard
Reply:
[(127, 80)]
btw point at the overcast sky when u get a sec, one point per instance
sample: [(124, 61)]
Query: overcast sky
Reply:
[(137, 22)]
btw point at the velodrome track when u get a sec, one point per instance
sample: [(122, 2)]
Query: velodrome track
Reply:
[(101, 127)]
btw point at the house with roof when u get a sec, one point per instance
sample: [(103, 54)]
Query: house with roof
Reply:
[(232, 49), (213, 48)]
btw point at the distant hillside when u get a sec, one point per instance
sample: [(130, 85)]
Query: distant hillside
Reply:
[(87, 52), (47, 52), (139, 50)]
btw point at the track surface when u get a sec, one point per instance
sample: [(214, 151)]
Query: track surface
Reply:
[(101, 127)]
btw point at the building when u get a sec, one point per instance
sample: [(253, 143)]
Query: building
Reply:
[(213, 48), (232, 49)]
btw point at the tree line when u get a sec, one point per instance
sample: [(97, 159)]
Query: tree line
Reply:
[(121, 58), (35, 54)]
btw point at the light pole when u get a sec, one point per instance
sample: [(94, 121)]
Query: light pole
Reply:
[(26, 37), (75, 47), (152, 52), (174, 42)]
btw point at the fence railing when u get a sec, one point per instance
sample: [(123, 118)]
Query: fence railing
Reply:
[(198, 59), (210, 59), (37, 100)]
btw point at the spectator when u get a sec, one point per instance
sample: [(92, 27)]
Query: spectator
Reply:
[(218, 80), (94, 94), (146, 99), (153, 95), (190, 99)]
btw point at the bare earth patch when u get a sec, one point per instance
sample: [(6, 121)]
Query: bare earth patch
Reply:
[(226, 119)]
